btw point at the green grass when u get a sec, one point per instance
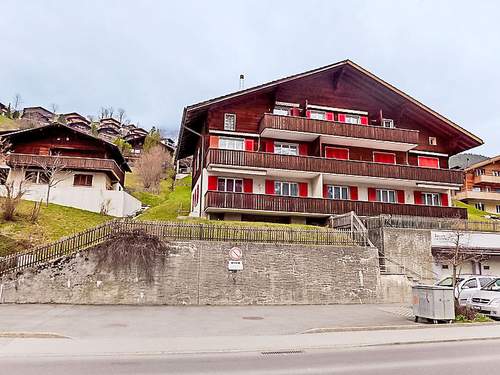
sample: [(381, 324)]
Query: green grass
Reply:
[(133, 185), (8, 124), (473, 213), (53, 223)]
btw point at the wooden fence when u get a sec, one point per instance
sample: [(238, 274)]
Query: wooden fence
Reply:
[(179, 231)]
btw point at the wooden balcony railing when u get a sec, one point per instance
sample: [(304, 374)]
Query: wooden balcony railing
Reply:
[(487, 179), (273, 203), (302, 124), (69, 162), (335, 166)]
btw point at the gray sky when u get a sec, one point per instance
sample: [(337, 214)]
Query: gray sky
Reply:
[(152, 58)]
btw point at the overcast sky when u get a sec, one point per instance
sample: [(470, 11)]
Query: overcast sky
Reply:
[(152, 58)]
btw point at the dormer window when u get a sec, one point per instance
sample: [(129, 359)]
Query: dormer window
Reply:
[(229, 121), (387, 123)]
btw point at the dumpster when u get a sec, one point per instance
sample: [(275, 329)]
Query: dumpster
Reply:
[(433, 302)]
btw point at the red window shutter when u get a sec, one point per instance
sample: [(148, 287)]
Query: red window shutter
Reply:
[(372, 194), (212, 182), (417, 195), (424, 161), (270, 187), (303, 149), (302, 189), (269, 146), (329, 116), (364, 120), (337, 153), (383, 157), (308, 114), (444, 200), (341, 117), (295, 112), (325, 191), (247, 185), (353, 193), (213, 141), (401, 196), (249, 144)]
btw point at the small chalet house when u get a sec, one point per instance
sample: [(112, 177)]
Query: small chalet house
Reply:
[(482, 185), (93, 169), (324, 142)]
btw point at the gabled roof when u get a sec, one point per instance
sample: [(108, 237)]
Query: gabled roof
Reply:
[(483, 163), (111, 146), (191, 110)]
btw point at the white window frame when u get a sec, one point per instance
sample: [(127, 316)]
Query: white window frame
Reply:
[(283, 109), (385, 153), (476, 188), (479, 172), (233, 180), (314, 114), (480, 206), (225, 143), (227, 124), (495, 173), (333, 189), (281, 186), (37, 178), (352, 119), (388, 123), (431, 199), (433, 141), (498, 208), (283, 146), (387, 193)]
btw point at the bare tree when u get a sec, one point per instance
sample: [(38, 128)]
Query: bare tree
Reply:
[(53, 172), (152, 167), (54, 107), (120, 113), (13, 193), (17, 101)]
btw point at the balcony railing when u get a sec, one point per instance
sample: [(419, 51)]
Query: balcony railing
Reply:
[(334, 166), (481, 195), (68, 162), (273, 203), (486, 179), (307, 125)]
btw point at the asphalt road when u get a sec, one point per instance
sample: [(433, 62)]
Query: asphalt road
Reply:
[(423, 359)]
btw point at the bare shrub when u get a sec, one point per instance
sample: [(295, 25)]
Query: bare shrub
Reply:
[(131, 251), (13, 194), (35, 212), (152, 167)]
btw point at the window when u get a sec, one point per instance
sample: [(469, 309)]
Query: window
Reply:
[(476, 188), (431, 199), (337, 153), (338, 192), (286, 148), (479, 206), (318, 115), (352, 119), (498, 209), (386, 196), (229, 121), (232, 185), (36, 177), (232, 143), (485, 267), (496, 173), (483, 281), (82, 180), (388, 123), (283, 111), (445, 267), (433, 141), (425, 161), (471, 284), (4, 173), (289, 189), (384, 157), (479, 172)]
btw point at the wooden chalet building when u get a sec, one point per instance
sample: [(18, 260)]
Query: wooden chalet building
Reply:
[(324, 142), (92, 173), (38, 115), (77, 121), (482, 185)]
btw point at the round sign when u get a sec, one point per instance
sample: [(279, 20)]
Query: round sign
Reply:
[(235, 253)]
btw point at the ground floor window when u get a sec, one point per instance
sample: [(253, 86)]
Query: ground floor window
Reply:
[(338, 192), (431, 199), (498, 209), (232, 185), (479, 206), (386, 196), (82, 180), (36, 177), (289, 189), (4, 173)]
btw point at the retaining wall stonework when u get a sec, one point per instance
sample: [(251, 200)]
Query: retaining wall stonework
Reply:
[(195, 273)]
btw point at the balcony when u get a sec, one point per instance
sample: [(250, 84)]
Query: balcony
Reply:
[(479, 195), (255, 203), (487, 179), (306, 129), (69, 162), (334, 166)]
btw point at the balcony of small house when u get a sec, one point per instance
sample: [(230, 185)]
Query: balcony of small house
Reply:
[(487, 179), (109, 166), (295, 128), (216, 201), (478, 195), (261, 162)]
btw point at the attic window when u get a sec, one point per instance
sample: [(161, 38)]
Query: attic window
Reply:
[(229, 121), (387, 123), (433, 141)]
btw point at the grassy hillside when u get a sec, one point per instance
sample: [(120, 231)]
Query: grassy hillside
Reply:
[(8, 124), (473, 212), (53, 223)]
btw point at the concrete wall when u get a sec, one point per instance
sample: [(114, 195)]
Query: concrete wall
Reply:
[(195, 273)]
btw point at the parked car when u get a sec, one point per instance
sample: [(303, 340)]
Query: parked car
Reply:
[(487, 300), (466, 285)]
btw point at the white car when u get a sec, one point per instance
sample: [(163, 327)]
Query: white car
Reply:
[(487, 300), (467, 285)]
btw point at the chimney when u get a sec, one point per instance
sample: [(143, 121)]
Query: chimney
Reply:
[(242, 81)]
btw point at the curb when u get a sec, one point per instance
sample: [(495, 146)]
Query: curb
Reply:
[(31, 335)]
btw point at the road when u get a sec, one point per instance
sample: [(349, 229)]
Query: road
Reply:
[(445, 358)]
